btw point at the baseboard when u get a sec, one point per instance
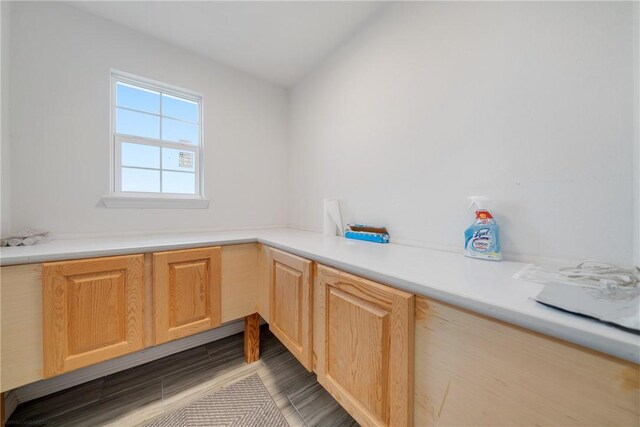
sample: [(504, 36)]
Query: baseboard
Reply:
[(10, 403), (61, 382)]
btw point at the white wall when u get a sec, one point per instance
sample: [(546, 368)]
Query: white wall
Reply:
[(5, 187), (636, 137), (60, 83), (530, 104)]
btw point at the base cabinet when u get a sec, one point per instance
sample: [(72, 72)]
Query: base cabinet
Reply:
[(475, 370), (356, 334), (365, 347), (186, 292), (290, 305), (93, 310)]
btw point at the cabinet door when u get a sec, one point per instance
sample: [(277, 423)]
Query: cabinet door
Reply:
[(290, 304), (186, 292), (365, 351), (92, 311)]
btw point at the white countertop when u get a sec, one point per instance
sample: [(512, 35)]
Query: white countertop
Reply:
[(481, 286)]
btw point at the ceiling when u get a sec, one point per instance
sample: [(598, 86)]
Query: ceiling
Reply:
[(279, 41)]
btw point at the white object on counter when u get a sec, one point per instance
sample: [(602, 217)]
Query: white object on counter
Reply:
[(332, 219), (28, 237)]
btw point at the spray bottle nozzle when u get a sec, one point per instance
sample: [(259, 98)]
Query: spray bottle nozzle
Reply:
[(480, 202)]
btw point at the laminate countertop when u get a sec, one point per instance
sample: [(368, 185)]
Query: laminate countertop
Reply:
[(483, 287)]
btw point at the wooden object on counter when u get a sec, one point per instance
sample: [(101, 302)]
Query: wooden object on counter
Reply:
[(186, 292), (473, 370), (365, 350), (290, 304), (92, 311), (252, 338)]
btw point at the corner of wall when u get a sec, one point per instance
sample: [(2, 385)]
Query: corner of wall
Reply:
[(636, 131), (288, 155), (5, 175)]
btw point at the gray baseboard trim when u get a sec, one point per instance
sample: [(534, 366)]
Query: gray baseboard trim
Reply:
[(61, 382), (10, 403)]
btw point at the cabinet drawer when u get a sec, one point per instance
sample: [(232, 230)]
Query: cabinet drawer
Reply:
[(92, 311)]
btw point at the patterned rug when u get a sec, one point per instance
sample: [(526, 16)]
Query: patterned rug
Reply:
[(245, 403)]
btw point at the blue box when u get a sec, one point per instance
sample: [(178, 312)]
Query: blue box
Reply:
[(367, 233)]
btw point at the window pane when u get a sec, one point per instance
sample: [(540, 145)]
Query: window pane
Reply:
[(174, 130), (179, 108), (178, 160), (137, 124), (178, 182), (145, 156), (142, 180), (137, 98)]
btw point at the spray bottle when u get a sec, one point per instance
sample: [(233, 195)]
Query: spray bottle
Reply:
[(482, 238)]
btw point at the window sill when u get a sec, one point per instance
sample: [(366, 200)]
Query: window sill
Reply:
[(151, 202)]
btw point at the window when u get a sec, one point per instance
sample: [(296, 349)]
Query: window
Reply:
[(157, 139)]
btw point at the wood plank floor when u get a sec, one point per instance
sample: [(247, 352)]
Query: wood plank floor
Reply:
[(135, 396)]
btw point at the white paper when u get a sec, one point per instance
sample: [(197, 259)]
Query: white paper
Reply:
[(332, 219)]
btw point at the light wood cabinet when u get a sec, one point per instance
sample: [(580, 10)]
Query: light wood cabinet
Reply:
[(365, 341), (474, 370), (290, 304), (186, 292), (93, 310), (73, 317), (470, 369)]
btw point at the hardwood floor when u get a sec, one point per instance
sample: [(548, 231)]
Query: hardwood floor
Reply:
[(137, 395)]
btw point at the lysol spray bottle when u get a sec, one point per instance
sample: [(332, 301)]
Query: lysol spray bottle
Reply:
[(482, 238)]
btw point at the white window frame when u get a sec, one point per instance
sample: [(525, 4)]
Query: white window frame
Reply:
[(123, 199)]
